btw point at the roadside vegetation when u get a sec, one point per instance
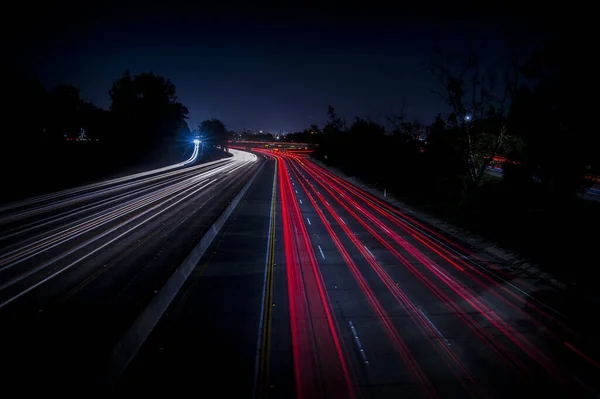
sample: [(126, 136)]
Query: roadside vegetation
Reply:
[(509, 158)]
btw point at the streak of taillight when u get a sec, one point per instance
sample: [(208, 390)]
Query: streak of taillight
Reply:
[(300, 343), (361, 193), (312, 339), (485, 336), (455, 285), (583, 355), (446, 254), (398, 220), (398, 342), (466, 267)]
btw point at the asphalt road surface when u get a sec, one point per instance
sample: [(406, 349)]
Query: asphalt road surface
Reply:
[(593, 193), (207, 342), (312, 289), (79, 266), (323, 291)]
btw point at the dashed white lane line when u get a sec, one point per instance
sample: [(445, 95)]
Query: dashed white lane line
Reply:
[(435, 328), (357, 340), (320, 250)]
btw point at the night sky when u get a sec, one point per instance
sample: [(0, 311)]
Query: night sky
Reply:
[(273, 70)]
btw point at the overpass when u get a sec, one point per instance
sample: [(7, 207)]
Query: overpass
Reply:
[(273, 145)]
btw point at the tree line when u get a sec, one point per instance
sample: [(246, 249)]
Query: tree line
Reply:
[(144, 117), (54, 139), (521, 116)]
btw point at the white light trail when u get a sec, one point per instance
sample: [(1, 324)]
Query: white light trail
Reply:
[(82, 221)]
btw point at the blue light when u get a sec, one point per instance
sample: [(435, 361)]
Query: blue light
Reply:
[(196, 141)]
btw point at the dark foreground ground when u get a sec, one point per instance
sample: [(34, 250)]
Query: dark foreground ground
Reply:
[(207, 341), (312, 289), (76, 270), (363, 301)]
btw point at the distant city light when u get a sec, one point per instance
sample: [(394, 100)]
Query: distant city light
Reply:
[(468, 117)]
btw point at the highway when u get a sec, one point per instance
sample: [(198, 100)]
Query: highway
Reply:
[(313, 288), (317, 289), (78, 267), (592, 193)]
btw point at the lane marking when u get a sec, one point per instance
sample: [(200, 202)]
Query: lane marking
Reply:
[(369, 251), (300, 201), (434, 327), (88, 254), (134, 338), (320, 250), (590, 390), (582, 355), (308, 220), (458, 253), (59, 237), (105, 267), (342, 220), (357, 340), (261, 364)]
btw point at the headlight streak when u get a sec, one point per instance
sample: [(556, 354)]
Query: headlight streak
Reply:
[(93, 186), (49, 241), (37, 224), (18, 262)]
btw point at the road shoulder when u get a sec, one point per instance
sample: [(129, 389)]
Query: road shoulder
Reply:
[(200, 341)]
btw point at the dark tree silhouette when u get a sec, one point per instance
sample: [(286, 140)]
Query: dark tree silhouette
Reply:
[(95, 121), (23, 112), (334, 123), (561, 142), (65, 118), (480, 110), (214, 133), (314, 129), (42, 127), (146, 111)]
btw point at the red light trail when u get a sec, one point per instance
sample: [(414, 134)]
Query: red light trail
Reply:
[(491, 305)]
